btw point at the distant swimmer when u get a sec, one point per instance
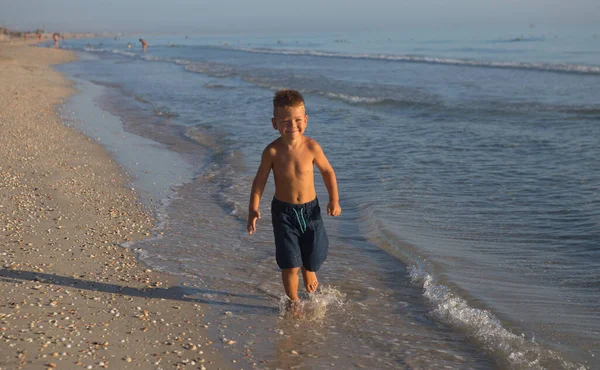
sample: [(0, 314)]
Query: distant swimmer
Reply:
[(129, 46), (144, 45)]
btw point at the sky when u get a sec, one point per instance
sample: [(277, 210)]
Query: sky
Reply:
[(198, 16)]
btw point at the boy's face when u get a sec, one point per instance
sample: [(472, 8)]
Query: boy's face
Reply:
[(290, 121)]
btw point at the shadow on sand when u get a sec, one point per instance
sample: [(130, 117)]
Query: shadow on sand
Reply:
[(176, 293)]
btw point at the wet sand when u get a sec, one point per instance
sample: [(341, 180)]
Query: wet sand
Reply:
[(70, 296)]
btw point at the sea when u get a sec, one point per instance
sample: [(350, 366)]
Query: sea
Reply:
[(469, 178)]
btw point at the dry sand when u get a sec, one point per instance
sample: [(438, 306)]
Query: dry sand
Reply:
[(70, 296)]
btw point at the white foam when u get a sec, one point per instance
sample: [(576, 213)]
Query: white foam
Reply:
[(485, 328), (355, 98), (123, 52)]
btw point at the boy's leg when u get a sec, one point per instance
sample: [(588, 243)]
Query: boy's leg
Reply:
[(310, 280), (290, 282), (314, 247)]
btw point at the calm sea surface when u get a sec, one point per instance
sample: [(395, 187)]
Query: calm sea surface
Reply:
[(469, 178)]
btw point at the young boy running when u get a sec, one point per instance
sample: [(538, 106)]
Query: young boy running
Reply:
[(300, 238)]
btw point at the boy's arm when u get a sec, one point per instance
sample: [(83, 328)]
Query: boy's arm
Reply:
[(258, 186), (333, 207)]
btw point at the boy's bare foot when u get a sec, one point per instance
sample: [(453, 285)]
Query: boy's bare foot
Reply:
[(310, 280), (295, 308)]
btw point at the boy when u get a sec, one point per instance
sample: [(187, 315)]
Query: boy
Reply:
[(300, 239)]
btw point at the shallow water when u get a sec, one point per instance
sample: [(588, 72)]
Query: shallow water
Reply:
[(468, 178)]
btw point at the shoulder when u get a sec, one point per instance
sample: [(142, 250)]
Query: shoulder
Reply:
[(271, 149), (312, 145)]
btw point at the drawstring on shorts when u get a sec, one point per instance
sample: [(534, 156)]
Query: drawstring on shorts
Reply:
[(298, 218)]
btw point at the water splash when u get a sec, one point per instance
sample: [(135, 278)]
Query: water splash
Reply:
[(313, 308)]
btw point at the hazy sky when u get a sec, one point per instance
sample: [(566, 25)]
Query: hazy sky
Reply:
[(190, 16)]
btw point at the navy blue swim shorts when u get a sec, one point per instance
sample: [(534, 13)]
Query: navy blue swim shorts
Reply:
[(300, 238)]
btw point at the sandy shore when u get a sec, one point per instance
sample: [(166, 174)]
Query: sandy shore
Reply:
[(70, 296)]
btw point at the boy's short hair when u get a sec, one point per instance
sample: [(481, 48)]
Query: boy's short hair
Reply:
[(287, 98)]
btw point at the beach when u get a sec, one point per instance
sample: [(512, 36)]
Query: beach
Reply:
[(468, 177), (70, 295)]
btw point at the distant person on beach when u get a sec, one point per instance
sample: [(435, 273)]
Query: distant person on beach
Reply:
[(144, 44), (55, 37), (300, 239)]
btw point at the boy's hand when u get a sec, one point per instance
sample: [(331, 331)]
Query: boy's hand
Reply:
[(253, 215), (333, 208)]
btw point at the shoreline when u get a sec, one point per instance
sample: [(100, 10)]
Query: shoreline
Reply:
[(72, 296)]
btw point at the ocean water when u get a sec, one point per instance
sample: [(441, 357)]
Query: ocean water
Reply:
[(469, 178)]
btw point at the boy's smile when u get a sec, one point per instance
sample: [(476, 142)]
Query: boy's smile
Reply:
[(291, 122)]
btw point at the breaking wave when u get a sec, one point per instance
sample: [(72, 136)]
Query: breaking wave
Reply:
[(548, 67)]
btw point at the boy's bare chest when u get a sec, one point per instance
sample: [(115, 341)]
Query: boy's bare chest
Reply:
[(294, 164)]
